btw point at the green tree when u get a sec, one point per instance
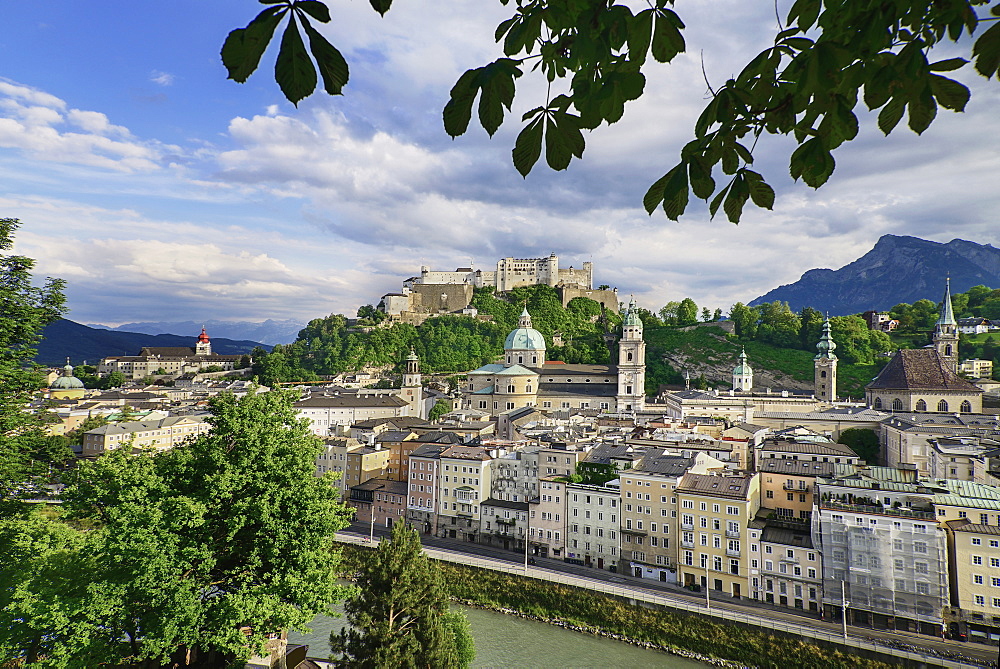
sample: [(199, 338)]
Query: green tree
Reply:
[(113, 380), (687, 312), (440, 408), (397, 617), (202, 550), (24, 310), (828, 56), (862, 441), (744, 319), (669, 311), (465, 646)]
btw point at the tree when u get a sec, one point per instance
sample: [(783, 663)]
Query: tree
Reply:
[(744, 320), (465, 646), (687, 312), (440, 408), (24, 310), (89, 423), (668, 313), (397, 617), (114, 380), (193, 555), (862, 441), (828, 56)]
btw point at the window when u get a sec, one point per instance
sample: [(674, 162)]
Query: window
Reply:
[(921, 405), (977, 559), (977, 579), (942, 406), (897, 404)]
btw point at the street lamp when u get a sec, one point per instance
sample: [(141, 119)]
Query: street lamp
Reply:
[(371, 530), (708, 601), (843, 606)]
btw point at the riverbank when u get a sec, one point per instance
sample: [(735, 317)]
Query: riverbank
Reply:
[(682, 634)]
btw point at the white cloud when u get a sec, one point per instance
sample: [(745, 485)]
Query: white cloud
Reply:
[(162, 78)]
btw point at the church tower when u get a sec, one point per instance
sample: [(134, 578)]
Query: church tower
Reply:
[(946, 332), (631, 363), (743, 374), (825, 366), (411, 378), (412, 391), (204, 346)]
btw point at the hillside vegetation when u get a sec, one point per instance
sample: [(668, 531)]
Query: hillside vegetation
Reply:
[(444, 344), (779, 343)]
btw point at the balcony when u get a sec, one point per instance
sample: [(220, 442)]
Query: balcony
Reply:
[(687, 526), (687, 544), (881, 510), (733, 552), (732, 534), (790, 560)]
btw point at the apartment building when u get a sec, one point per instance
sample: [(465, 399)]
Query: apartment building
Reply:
[(592, 524), (649, 515), (974, 575), (880, 539), (787, 486), (548, 518), (464, 482), (425, 472), (715, 511), (159, 434), (785, 567)]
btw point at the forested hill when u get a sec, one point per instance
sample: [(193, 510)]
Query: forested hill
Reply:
[(444, 344)]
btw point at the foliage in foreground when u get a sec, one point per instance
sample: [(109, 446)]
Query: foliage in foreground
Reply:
[(551, 601), (830, 61), (25, 309), (398, 618), (195, 554)]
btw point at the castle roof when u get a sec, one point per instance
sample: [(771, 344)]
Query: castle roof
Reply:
[(919, 368)]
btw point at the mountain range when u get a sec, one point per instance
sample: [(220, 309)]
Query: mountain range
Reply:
[(897, 269), (67, 339), (268, 332)]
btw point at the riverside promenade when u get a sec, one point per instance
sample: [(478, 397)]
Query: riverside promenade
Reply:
[(908, 649)]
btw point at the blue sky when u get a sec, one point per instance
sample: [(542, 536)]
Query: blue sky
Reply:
[(162, 191)]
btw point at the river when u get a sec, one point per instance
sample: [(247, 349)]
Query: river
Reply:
[(509, 641)]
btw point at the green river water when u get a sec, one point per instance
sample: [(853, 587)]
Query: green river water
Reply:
[(508, 641)]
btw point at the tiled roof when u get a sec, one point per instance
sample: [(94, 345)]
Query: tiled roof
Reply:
[(919, 368), (352, 401), (795, 467), (733, 487)]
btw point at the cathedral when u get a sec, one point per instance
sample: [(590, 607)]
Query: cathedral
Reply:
[(926, 379), (526, 379)]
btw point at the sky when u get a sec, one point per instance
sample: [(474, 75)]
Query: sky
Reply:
[(161, 191)]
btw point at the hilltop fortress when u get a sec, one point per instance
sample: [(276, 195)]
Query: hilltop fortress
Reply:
[(441, 292)]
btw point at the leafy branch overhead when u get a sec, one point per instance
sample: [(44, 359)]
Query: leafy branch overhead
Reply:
[(829, 57)]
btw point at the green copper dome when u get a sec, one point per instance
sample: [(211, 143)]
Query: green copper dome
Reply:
[(826, 344), (524, 337), (67, 381), (632, 316), (742, 369), (947, 316)]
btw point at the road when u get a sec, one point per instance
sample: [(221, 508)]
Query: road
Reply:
[(981, 654)]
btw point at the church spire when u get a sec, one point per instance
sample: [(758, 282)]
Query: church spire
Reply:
[(947, 316)]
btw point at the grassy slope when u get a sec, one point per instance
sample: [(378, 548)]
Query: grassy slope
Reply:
[(711, 345)]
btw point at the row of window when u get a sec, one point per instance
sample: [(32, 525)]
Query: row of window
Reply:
[(921, 405)]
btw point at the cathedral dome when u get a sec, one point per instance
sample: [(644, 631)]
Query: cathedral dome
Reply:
[(525, 337), (67, 381)]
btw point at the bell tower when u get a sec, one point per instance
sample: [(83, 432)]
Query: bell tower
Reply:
[(204, 345), (631, 363), (825, 366), (945, 336), (412, 391)]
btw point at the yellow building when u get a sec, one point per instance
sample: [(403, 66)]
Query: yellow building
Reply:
[(144, 435), (714, 512), (974, 573)]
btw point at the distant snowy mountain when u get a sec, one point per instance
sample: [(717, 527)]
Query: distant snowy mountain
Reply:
[(897, 269), (269, 332)]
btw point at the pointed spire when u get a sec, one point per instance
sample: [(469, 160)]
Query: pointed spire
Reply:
[(826, 344), (947, 316)]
